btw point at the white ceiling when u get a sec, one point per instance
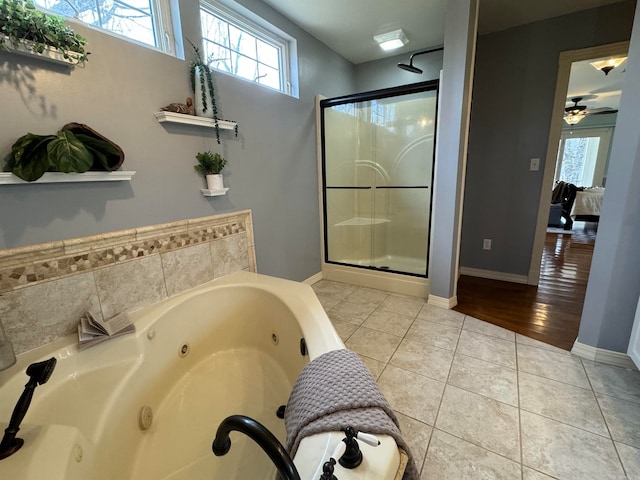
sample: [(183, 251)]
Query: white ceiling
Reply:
[(348, 26), (596, 89)]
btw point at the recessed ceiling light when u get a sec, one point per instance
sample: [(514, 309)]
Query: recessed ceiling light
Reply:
[(391, 40)]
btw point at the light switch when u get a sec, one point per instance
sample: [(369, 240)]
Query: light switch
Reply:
[(535, 164)]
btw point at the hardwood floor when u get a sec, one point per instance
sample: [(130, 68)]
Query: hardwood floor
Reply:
[(549, 312)]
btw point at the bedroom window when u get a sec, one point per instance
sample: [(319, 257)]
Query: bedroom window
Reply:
[(237, 42), (583, 157), (144, 21)]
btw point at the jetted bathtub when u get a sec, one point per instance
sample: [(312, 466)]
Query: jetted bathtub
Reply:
[(146, 406)]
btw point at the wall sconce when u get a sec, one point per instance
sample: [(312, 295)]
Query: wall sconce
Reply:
[(607, 65), (391, 40)]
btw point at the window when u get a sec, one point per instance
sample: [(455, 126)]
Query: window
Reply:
[(247, 48), (583, 157), (145, 21)]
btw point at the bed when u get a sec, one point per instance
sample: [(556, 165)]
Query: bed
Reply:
[(587, 204)]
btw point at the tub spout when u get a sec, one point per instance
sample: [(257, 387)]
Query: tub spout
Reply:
[(263, 437)]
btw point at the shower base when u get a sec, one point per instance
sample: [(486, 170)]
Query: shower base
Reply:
[(381, 279), (395, 263)]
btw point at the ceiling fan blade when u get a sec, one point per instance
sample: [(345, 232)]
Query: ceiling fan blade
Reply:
[(602, 111)]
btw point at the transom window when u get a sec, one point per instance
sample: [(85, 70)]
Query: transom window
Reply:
[(235, 44), (145, 21)]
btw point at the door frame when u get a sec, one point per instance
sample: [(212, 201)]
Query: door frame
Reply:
[(565, 60)]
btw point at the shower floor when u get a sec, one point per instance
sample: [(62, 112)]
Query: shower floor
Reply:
[(396, 263)]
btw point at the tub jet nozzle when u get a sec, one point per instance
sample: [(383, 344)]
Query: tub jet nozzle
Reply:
[(39, 374)]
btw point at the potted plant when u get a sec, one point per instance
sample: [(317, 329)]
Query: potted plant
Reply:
[(25, 28), (202, 87), (210, 165)]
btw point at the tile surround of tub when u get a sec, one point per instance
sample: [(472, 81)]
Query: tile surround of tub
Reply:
[(45, 288)]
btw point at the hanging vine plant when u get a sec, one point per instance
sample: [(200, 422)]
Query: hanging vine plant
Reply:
[(23, 25)]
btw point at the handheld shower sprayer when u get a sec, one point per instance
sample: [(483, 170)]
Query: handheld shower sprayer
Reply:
[(39, 374)]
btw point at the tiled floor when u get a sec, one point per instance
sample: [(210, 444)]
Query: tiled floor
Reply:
[(476, 401)]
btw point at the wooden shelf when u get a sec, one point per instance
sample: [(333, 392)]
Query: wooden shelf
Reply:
[(172, 117), (213, 193), (50, 55), (7, 178)]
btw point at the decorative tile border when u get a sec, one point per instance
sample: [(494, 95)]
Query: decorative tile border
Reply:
[(25, 266), (115, 272)]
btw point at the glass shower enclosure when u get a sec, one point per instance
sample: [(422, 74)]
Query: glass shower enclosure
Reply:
[(377, 167)]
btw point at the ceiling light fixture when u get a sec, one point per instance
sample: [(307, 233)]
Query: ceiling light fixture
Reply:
[(391, 40), (607, 65), (575, 113)]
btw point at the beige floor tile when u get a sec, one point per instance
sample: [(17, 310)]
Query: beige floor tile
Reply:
[(630, 457), (344, 329), (373, 344), (532, 342), (417, 435), (548, 364), (374, 366), (622, 417), (389, 322), (450, 458), (336, 289), (412, 394), (531, 474), (568, 404), (485, 378), (487, 348), (403, 304), (480, 420), (355, 313), (367, 296), (567, 452), (436, 334), (441, 315), (474, 325), (432, 362), (614, 381), (328, 300)]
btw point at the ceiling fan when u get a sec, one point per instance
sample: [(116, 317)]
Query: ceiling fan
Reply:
[(575, 113)]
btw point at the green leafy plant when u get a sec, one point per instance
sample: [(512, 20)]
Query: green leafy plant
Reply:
[(200, 68), (209, 163), (22, 24), (33, 155)]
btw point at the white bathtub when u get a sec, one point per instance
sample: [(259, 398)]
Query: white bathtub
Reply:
[(242, 333)]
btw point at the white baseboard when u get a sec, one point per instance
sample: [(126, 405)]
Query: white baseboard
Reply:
[(490, 274), (603, 356), (313, 279), (442, 302)]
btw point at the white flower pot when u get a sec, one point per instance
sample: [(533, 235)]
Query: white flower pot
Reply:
[(214, 182), (197, 101)]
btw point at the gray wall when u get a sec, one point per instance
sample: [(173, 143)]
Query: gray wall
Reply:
[(614, 279), (272, 165), (513, 93)]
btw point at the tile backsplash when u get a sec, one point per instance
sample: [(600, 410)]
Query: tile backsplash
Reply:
[(45, 288)]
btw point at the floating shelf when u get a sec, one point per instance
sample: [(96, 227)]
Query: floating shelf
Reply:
[(213, 193), (172, 117), (7, 178), (50, 55)]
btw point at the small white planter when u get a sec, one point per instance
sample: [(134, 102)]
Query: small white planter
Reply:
[(215, 182)]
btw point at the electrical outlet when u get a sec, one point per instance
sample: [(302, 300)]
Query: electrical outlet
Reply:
[(486, 244), (534, 166)]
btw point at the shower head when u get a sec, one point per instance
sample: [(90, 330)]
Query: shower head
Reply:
[(41, 371), (410, 67)]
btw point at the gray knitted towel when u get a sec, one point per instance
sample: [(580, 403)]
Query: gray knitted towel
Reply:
[(336, 390)]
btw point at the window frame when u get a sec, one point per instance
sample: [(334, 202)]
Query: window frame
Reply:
[(235, 15), (162, 23)]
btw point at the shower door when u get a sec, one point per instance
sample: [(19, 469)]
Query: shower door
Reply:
[(378, 155)]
